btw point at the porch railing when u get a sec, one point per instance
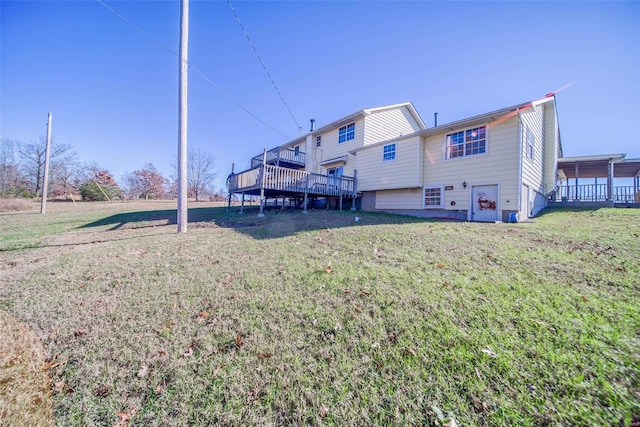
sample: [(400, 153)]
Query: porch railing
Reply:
[(280, 154), (291, 180), (597, 193)]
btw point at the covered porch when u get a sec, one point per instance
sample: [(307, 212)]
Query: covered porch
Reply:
[(608, 179)]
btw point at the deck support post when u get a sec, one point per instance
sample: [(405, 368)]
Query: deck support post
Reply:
[(595, 197), (355, 192), (242, 204), (262, 181), (306, 193), (340, 194)]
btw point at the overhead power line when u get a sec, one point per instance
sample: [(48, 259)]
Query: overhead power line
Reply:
[(264, 67), (193, 67)]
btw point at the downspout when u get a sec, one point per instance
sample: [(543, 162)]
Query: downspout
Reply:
[(418, 158), (520, 155)]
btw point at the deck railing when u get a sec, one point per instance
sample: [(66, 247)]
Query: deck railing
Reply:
[(291, 180), (597, 193), (280, 154)]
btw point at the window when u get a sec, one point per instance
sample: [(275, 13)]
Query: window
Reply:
[(467, 143), (318, 141), (530, 140), (389, 152), (337, 171), (296, 150), (433, 197), (347, 133)]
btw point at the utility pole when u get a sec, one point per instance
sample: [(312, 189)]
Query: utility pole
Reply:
[(45, 178), (182, 113)]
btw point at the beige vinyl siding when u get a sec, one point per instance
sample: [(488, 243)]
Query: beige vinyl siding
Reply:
[(331, 149), (403, 172), (551, 146), (388, 124), (399, 199), (532, 169), (499, 165)]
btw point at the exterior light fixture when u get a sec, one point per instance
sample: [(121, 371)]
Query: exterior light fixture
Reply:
[(464, 184)]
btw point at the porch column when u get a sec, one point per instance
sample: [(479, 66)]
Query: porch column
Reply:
[(610, 182), (576, 197)]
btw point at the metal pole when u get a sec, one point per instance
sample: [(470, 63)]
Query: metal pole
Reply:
[(182, 114), (45, 178)]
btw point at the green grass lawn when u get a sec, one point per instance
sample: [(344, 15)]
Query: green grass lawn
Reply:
[(316, 319)]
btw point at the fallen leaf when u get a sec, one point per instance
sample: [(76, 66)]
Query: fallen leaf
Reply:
[(357, 308), (323, 411), (440, 265), (451, 423), (364, 293), (264, 355), (203, 314), (328, 269), (79, 333), (584, 299), (489, 352), (445, 284), (143, 371), (239, 339), (215, 373), (410, 351), (124, 418), (347, 291)]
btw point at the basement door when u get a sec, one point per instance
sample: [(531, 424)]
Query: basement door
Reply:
[(484, 203)]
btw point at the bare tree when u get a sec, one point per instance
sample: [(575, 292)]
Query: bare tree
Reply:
[(33, 157), (200, 172), (11, 180)]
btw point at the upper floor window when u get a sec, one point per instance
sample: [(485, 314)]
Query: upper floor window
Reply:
[(389, 152), (467, 143), (347, 133), (318, 140), (530, 141)]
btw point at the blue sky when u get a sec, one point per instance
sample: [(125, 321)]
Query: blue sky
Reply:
[(113, 91)]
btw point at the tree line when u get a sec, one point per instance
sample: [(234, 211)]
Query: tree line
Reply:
[(22, 175)]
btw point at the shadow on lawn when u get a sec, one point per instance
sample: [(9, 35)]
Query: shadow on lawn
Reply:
[(276, 222)]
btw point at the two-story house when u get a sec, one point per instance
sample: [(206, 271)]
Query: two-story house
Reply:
[(485, 168)]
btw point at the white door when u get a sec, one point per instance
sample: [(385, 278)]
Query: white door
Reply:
[(484, 203)]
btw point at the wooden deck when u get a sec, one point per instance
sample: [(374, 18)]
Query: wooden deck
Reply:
[(277, 180)]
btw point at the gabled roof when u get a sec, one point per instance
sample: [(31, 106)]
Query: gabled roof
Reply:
[(358, 115), (498, 116), (502, 114)]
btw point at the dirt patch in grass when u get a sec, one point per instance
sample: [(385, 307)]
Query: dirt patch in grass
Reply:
[(25, 397)]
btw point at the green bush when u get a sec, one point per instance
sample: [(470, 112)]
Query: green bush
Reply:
[(93, 192)]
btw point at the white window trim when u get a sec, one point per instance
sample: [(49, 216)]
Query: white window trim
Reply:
[(395, 152), (486, 144), (441, 205)]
